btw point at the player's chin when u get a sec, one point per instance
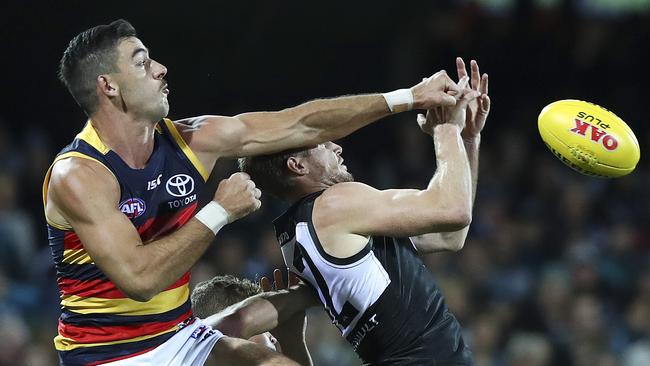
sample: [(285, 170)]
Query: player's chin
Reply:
[(164, 109), (344, 177)]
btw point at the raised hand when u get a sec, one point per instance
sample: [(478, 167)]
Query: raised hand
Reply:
[(479, 108), (238, 196), (437, 90), (452, 114), (278, 282)]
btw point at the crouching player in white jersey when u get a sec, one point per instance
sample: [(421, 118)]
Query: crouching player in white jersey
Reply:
[(357, 248), (214, 295)]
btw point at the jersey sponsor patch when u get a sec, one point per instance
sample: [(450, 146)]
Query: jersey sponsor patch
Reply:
[(180, 185), (133, 207)]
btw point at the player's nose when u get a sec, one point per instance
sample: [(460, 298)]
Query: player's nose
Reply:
[(336, 148), (159, 70)]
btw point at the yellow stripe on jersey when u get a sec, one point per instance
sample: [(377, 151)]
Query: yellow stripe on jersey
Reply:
[(76, 256), (186, 149), (89, 135), (164, 301), (67, 344), (46, 183)]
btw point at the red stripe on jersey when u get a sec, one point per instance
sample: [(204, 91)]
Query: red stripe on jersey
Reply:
[(162, 225), (100, 334), (181, 281), (148, 231), (102, 288), (71, 241), (93, 288)]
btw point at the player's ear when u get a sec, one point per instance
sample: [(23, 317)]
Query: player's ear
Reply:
[(296, 165), (107, 86)]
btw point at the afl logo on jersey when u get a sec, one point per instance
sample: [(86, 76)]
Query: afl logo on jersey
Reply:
[(180, 185), (133, 207)]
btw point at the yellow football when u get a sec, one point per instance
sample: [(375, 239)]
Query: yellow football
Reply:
[(589, 138)]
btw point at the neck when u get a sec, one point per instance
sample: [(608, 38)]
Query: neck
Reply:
[(130, 138), (304, 189)]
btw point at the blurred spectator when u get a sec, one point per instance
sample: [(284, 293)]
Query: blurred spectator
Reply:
[(527, 349), (16, 229)]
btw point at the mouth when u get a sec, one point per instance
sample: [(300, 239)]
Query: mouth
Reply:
[(165, 89)]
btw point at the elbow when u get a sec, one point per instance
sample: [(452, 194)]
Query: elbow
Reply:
[(242, 324), (234, 325), (138, 288), (462, 218), (456, 246), (139, 294), (453, 219)]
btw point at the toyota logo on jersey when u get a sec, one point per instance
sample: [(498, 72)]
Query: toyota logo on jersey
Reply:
[(133, 207), (180, 185)]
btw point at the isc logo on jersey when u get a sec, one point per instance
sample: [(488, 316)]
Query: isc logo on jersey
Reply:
[(133, 207), (180, 185)]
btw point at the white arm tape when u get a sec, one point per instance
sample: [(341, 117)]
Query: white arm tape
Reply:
[(400, 100), (213, 216)]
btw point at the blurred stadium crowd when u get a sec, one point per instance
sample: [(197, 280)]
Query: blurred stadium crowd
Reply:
[(556, 269)]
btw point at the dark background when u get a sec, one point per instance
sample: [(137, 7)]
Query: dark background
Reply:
[(555, 270)]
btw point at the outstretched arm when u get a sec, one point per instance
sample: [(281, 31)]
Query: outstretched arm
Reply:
[(477, 113), (311, 123), (349, 212), (262, 313)]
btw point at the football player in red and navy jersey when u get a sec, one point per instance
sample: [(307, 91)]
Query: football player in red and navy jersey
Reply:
[(121, 199)]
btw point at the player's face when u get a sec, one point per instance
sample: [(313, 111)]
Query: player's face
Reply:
[(327, 163), (141, 81)]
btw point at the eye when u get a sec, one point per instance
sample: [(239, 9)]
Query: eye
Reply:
[(143, 63)]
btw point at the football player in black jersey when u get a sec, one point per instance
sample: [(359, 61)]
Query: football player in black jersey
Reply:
[(357, 248)]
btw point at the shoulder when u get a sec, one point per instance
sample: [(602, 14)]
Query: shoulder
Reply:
[(333, 204), (344, 193), (76, 178)]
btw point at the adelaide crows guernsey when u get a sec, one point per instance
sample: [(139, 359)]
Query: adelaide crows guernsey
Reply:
[(98, 322), (383, 299)]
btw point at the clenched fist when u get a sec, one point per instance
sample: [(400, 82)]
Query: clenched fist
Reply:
[(435, 91), (238, 196)]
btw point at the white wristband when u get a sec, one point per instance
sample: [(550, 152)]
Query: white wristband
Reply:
[(400, 100), (213, 216)]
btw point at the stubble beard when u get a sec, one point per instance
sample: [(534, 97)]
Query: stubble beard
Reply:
[(339, 177)]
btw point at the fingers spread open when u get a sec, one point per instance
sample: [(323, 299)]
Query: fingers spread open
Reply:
[(485, 103), (484, 84), (460, 68), (476, 75), (277, 277), (265, 284)]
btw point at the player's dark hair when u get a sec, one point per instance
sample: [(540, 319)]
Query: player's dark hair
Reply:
[(212, 296), (270, 172), (91, 53)]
